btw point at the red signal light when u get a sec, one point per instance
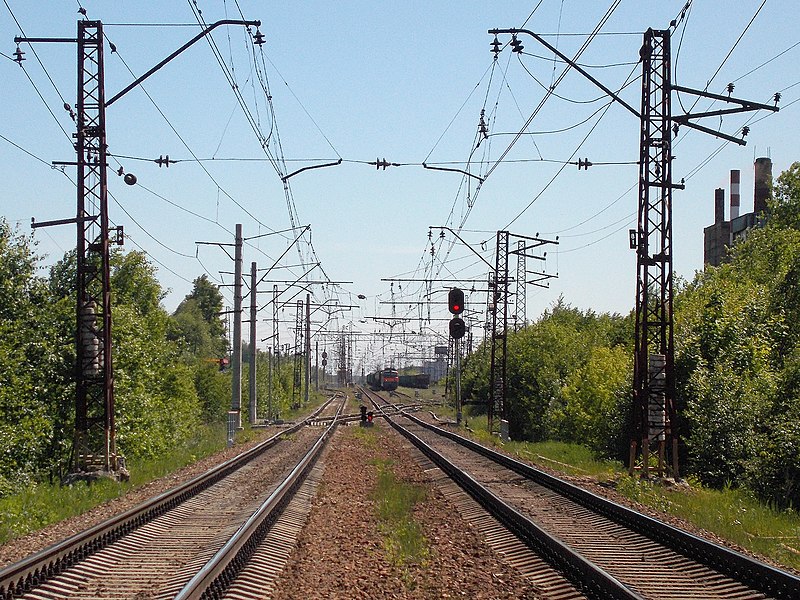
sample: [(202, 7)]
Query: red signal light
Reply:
[(455, 301)]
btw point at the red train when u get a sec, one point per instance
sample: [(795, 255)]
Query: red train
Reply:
[(386, 379)]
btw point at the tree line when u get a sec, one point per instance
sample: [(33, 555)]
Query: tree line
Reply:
[(167, 372), (737, 361), (737, 340)]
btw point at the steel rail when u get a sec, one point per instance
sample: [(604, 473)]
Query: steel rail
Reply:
[(34, 570), (214, 578), (756, 574), (586, 576)]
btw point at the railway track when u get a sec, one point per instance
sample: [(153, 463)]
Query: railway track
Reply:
[(207, 527), (604, 549)]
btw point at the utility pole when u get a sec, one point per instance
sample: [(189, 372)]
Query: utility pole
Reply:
[(299, 334), (253, 405), (94, 443), (236, 343), (236, 351), (269, 382)]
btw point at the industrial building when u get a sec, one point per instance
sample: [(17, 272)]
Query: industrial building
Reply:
[(723, 234)]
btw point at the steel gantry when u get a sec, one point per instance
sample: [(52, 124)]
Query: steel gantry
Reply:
[(95, 439), (498, 307), (655, 415)]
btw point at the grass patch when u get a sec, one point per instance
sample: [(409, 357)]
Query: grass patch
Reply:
[(403, 539), (42, 504), (367, 437), (733, 514), (571, 459)]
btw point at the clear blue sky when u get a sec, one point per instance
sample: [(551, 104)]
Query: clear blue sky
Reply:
[(404, 81)]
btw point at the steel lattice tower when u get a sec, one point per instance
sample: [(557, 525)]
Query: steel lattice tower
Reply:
[(95, 431), (654, 377), (520, 300), (499, 338), (297, 381)]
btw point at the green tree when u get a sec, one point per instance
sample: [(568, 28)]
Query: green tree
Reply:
[(737, 342), (155, 396), (34, 366), (209, 301), (568, 378)]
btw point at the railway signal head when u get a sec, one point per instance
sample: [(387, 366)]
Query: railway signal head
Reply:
[(457, 328), (455, 301)]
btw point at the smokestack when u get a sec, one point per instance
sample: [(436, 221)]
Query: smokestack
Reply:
[(736, 176), (763, 181), (719, 205)]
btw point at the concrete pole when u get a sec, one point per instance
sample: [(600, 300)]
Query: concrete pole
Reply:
[(275, 341), (458, 381), (253, 405), (308, 348), (269, 382), (236, 359)]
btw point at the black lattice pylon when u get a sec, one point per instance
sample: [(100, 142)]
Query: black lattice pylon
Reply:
[(299, 330)]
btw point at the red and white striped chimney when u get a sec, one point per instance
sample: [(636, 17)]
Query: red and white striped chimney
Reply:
[(735, 197)]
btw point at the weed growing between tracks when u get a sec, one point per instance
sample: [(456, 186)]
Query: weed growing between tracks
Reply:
[(403, 539)]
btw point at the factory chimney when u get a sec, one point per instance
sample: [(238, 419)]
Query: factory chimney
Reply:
[(719, 205), (736, 178), (763, 182)]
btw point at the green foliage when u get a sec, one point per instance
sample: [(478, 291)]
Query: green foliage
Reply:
[(213, 390), (208, 299), (738, 343), (35, 364), (597, 400), (568, 378), (156, 399), (192, 333)]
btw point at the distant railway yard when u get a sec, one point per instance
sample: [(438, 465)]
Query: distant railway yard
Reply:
[(405, 504)]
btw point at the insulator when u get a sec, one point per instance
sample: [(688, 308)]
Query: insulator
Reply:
[(258, 38), (495, 46), (516, 45), (730, 88), (777, 98), (19, 56)]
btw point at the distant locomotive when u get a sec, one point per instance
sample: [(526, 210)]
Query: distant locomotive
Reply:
[(386, 379)]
